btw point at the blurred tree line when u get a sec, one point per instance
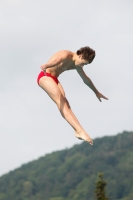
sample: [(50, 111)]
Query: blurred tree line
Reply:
[(71, 173)]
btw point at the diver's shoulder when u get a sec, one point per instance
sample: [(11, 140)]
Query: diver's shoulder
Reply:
[(65, 53)]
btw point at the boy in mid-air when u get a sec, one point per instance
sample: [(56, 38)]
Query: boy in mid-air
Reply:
[(48, 80)]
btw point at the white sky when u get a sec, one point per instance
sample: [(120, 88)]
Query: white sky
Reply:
[(30, 32)]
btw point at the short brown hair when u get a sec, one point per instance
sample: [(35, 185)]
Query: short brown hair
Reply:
[(87, 53)]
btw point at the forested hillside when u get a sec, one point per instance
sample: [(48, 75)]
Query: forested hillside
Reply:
[(71, 174)]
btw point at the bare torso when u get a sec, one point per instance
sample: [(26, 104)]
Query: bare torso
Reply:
[(67, 64)]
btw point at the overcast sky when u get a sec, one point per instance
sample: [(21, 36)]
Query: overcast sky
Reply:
[(30, 32)]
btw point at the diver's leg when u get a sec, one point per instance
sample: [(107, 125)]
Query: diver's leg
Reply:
[(52, 89), (78, 134), (63, 93)]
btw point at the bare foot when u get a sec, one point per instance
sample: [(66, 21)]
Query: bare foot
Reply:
[(82, 135)]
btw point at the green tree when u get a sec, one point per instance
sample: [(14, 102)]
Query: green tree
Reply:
[(56, 198), (100, 188), (3, 196)]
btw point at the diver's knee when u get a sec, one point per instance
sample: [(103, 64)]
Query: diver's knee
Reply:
[(68, 104), (62, 102)]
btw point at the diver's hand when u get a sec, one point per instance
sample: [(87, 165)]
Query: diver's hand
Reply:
[(43, 68), (99, 96)]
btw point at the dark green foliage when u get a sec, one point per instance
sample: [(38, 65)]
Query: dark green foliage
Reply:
[(100, 188), (70, 174)]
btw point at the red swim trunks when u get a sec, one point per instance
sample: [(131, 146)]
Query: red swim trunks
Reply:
[(46, 74)]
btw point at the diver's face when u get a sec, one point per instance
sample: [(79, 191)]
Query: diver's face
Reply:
[(80, 62)]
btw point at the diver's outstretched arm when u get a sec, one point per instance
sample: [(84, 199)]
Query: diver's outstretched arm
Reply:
[(89, 83)]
